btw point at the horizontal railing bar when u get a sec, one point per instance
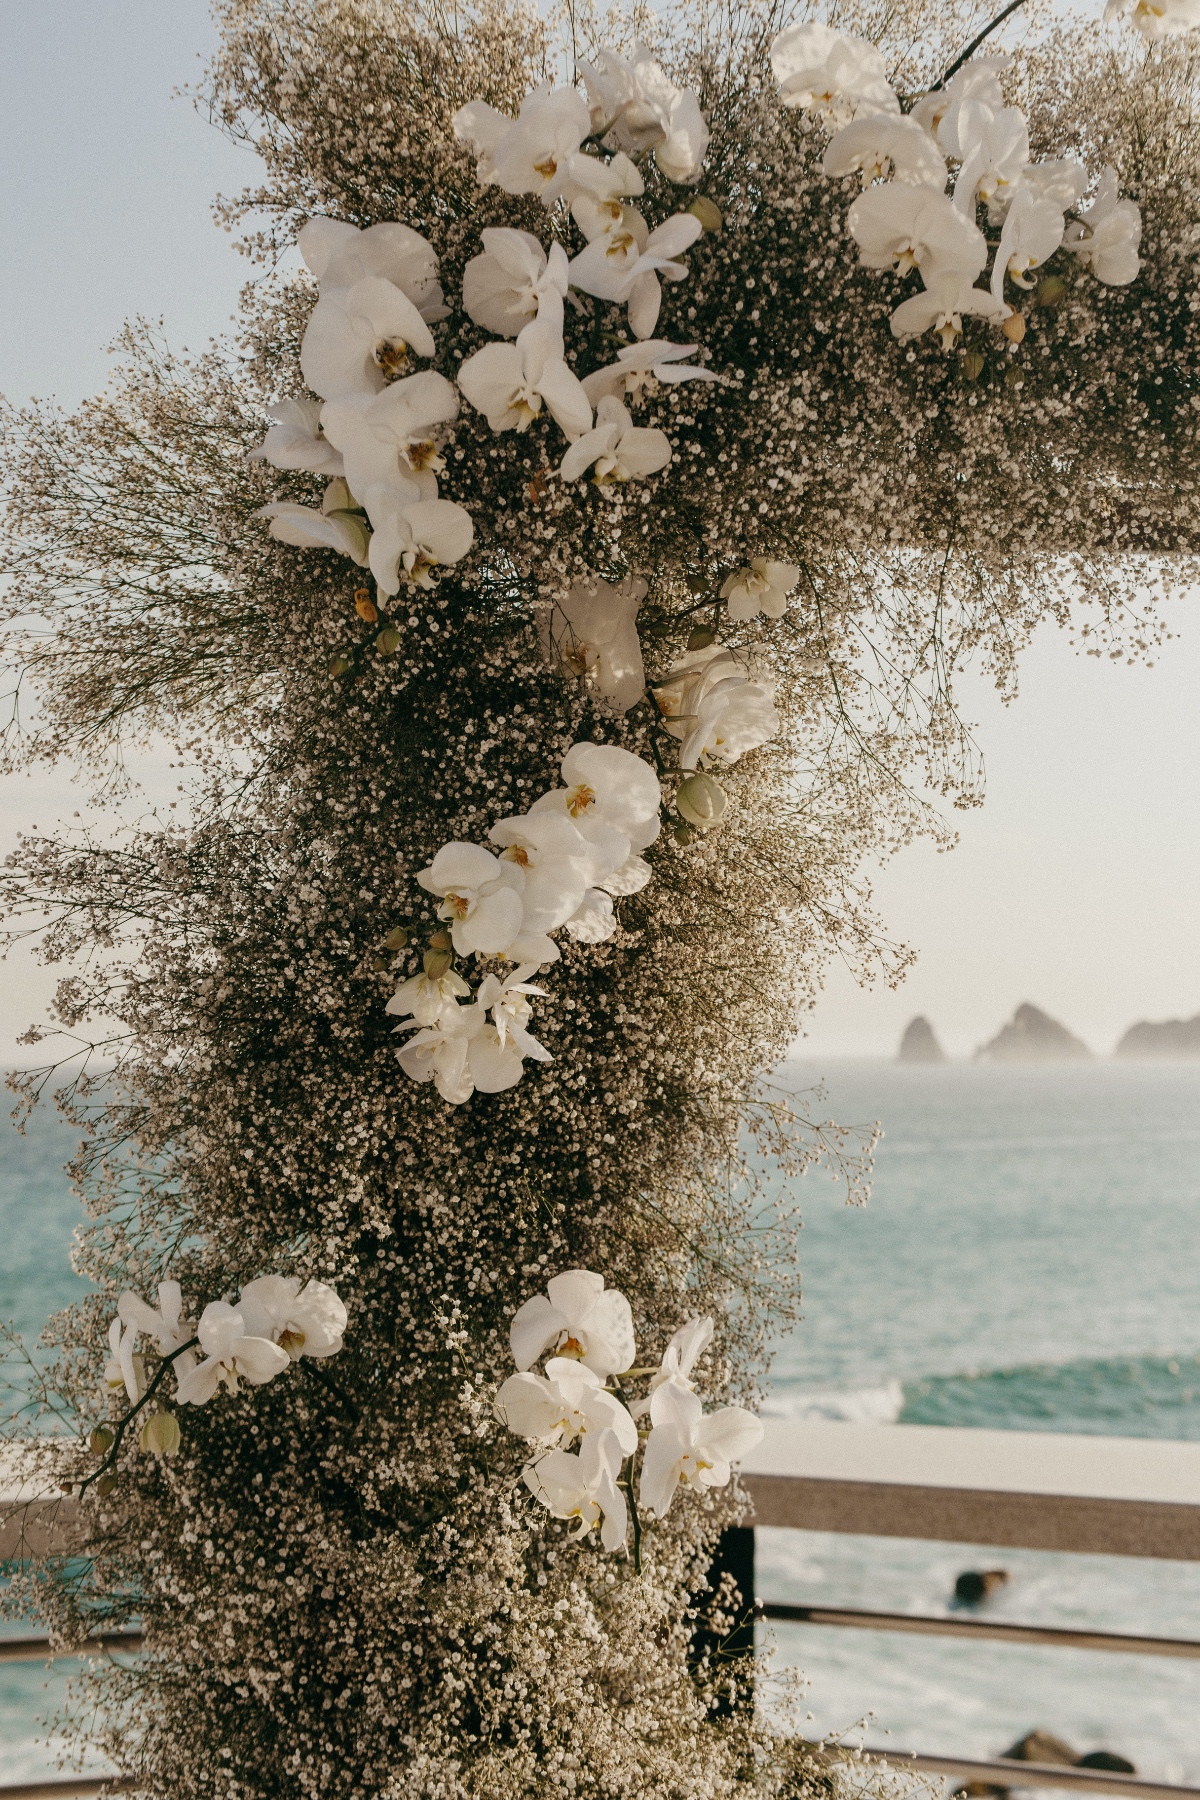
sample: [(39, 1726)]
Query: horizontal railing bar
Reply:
[(996, 1630), (37, 1649), (68, 1787), (1004, 1771)]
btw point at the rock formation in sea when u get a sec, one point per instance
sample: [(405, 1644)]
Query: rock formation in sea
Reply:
[(1163, 1040), (919, 1043), (1033, 1036)]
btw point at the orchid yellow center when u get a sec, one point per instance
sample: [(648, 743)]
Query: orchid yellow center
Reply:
[(547, 169), (580, 799), (424, 456), (392, 356), (292, 1341), (516, 853), (571, 1347), (458, 905)]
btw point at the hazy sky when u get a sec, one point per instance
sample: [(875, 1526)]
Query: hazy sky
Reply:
[(1075, 887)]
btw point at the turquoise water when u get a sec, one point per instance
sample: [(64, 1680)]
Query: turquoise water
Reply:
[(1030, 1259)]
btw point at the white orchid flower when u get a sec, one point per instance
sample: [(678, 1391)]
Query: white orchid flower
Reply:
[(482, 127), (466, 1051), (508, 1003), (303, 1321), (715, 707), (124, 1367), (638, 107), (361, 336), (508, 383), (624, 265), (1107, 235), (616, 450), (294, 441), (580, 1318), (678, 1360), (501, 286), (1032, 232), (593, 921), (583, 1487), (532, 155), (340, 255), (565, 1403), (481, 897), (993, 143), (762, 587), (393, 436), (413, 538), (831, 74), (165, 1323), (591, 632), (427, 998), (600, 193), (901, 227), (948, 297), (231, 1353), (343, 531), (1155, 19), (612, 796), (978, 79), (686, 1445), (640, 367), (557, 863), (1062, 179), (883, 147)]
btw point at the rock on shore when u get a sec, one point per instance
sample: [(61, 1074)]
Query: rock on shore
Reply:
[(919, 1043), (1033, 1036), (1166, 1040)]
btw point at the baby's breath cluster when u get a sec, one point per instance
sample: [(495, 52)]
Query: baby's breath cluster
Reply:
[(557, 593)]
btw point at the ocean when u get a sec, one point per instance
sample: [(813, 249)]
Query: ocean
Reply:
[(1029, 1259)]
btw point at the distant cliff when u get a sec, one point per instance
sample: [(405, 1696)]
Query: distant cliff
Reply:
[(1166, 1040), (919, 1043), (1033, 1036)]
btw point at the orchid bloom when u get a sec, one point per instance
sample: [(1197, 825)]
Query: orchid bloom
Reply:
[(1032, 232), (414, 538), (556, 861), (565, 1403), (308, 1321), (1107, 235), (616, 450), (294, 441), (639, 369), (591, 631), (763, 587), (466, 1050), (1062, 179), (624, 264), (994, 146), (359, 337), (393, 436), (593, 921), (686, 1445), (714, 707), (529, 154), (831, 74), (942, 306), (1155, 19), (882, 147), (428, 998), (638, 107), (901, 227), (583, 1487), (678, 1360), (580, 1318), (124, 1368), (501, 287), (938, 111), (481, 897), (231, 1351), (340, 255), (613, 797), (339, 529), (508, 383), (165, 1323)]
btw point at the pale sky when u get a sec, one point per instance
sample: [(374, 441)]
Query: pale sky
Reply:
[(1076, 885)]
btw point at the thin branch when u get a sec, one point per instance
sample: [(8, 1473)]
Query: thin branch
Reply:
[(974, 44)]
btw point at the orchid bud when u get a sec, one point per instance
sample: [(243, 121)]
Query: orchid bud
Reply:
[(972, 364), (160, 1434), (364, 606), (339, 665), (381, 961), (441, 940), (388, 641), (701, 638), (105, 1485), (701, 801), (709, 214), (1014, 327), (102, 1438), (396, 938), (684, 833), (338, 497), (1051, 290), (696, 584), (437, 963)]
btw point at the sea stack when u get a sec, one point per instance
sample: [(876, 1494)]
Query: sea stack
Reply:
[(1164, 1040), (1033, 1036), (919, 1043)]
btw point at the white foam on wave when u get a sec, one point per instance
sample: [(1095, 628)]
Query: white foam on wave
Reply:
[(859, 1406)]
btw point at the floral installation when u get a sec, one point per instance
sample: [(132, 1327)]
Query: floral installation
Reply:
[(553, 599)]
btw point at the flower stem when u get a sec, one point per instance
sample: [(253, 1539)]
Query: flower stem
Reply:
[(124, 1423), (974, 44)]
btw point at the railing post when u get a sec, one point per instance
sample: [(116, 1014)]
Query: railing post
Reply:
[(731, 1570)]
